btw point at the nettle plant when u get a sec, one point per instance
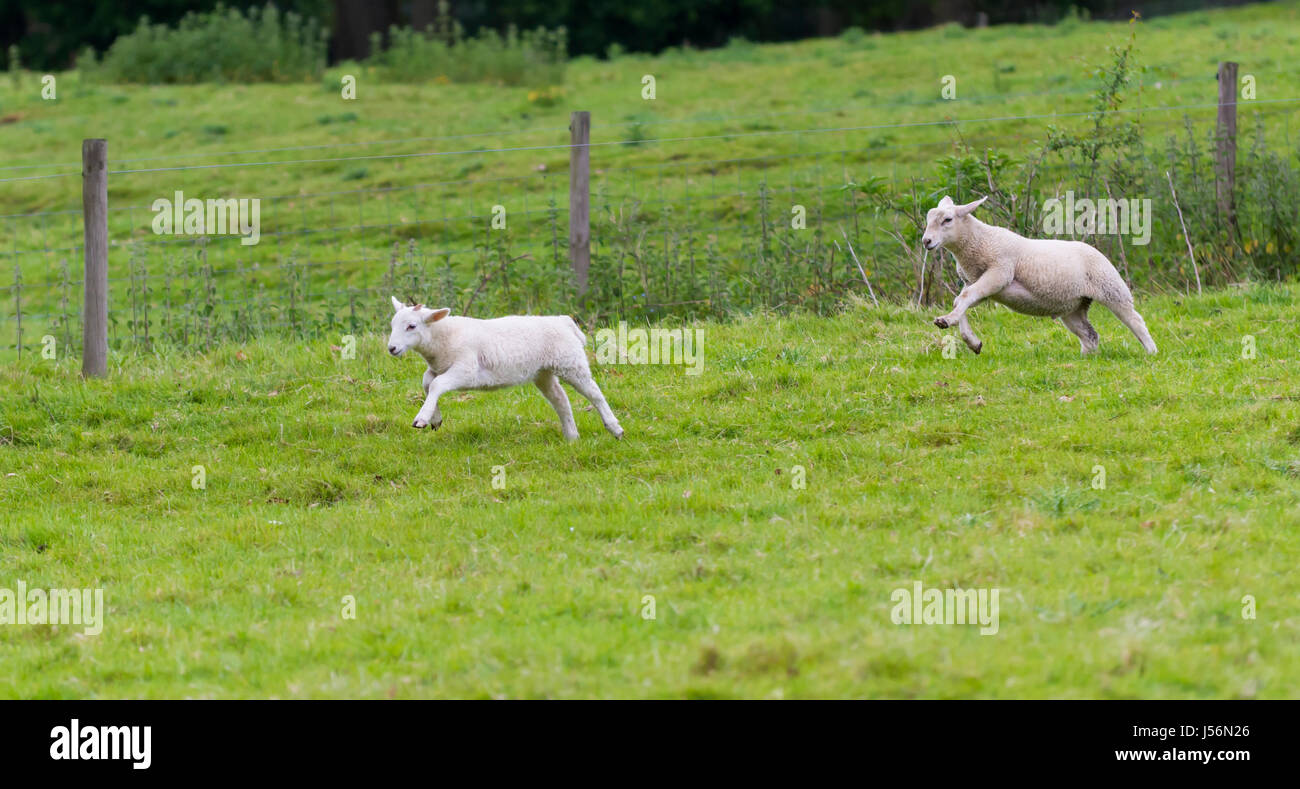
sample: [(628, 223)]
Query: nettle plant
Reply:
[(223, 45), (445, 53)]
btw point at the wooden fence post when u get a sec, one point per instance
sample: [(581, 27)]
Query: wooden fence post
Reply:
[(18, 304), (580, 199), (94, 202), (1225, 182)]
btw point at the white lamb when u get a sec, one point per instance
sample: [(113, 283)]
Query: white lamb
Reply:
[(1047, 277), (468, 353)]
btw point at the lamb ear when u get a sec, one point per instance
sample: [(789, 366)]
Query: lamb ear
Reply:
[(437, 315), (963, 210), (945, 202), (397, 305)]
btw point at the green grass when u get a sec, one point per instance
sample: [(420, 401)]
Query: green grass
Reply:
[(974, 472)]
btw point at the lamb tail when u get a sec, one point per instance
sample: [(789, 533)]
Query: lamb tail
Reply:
[(582, 338)]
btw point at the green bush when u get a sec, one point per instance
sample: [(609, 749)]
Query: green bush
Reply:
[(267, 45), (444, 53), (222, 46)]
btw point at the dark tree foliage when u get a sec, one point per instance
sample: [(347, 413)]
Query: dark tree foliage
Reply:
[(49, 33), (652, 25)]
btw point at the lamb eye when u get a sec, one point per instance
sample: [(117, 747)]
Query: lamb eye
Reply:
[(947, 220), (410, 327)]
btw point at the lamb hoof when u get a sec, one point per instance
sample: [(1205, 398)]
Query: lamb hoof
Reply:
[(978, 348), (619, 434), (941, 322)]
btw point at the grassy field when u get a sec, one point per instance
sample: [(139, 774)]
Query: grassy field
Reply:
[(973, 471), (331, 214), (1124, 506)]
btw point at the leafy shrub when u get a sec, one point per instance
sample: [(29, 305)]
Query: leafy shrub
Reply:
[(266, 45), (224, 45), (444, 53)]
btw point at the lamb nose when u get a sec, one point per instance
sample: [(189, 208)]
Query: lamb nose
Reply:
[(392, 349)]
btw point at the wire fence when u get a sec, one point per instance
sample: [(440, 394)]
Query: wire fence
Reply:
[(785, 218)]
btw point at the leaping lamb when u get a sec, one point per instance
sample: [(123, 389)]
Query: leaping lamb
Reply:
[(1046, 277), (469, 353)]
